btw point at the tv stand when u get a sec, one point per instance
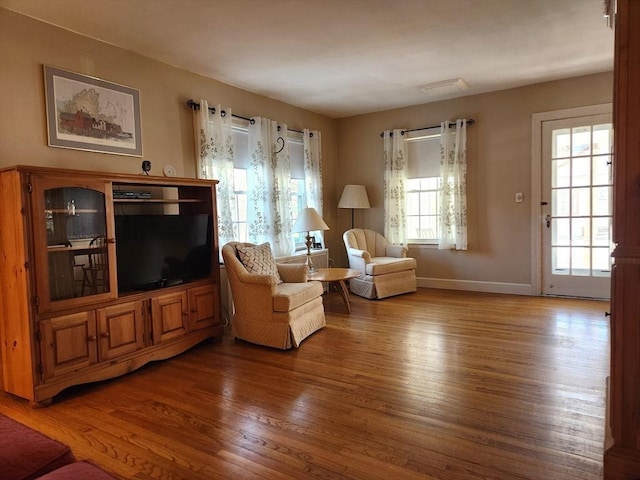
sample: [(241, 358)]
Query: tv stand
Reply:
[(64, 321)]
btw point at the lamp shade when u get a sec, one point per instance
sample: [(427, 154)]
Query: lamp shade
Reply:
[(354, 196), (309, 220)]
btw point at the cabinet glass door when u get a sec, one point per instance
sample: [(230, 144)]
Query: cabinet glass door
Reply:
[(74, 230)]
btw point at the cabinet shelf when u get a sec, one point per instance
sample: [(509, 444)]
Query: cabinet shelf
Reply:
[(65, 211), (158, 200)]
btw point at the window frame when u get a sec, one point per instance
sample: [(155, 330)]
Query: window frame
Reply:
[(417, 136)]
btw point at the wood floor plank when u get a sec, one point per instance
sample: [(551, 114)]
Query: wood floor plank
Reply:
[(435, 384)]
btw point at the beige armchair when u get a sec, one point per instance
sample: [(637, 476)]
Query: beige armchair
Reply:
[(385, 268), (274, 304)]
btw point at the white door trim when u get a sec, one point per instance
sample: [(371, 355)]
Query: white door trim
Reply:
[(536, 179)]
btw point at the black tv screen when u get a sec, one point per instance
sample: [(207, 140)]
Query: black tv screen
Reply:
[(154, 251)]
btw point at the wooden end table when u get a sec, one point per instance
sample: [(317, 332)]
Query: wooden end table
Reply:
[(339, 275)]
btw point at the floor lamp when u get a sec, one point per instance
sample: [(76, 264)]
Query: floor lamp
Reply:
[(308, 221), (353, 196)]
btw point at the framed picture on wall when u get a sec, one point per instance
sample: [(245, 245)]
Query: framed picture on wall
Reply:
[(87, 113)]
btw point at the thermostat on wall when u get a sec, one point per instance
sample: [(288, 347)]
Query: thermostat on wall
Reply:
[(169, 171)]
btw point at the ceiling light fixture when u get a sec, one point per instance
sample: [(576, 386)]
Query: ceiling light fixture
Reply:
[(445, 87)]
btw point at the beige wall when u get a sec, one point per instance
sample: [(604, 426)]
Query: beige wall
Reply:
[(499, 165), (499, 144), (167, 127)]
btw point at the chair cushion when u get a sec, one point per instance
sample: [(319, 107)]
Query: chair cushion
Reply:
[(384, 265), (292, 295), (78, 471), (259, 260), (26, 454)]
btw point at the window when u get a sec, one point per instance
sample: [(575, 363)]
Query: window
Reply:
[(423, 186), (240, 185), (423, 210), (241, 163)]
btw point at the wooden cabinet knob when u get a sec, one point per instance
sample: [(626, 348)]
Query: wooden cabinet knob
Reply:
[(105, 335), (92, 338)]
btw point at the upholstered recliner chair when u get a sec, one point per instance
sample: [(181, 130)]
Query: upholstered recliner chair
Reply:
[(274, 304), (385, 268)]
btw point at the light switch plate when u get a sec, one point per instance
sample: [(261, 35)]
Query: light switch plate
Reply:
[(519, 197)]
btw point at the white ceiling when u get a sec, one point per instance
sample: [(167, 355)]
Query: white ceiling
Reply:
[(348, 57)]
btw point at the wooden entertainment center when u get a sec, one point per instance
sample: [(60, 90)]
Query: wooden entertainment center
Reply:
[(66, 318)]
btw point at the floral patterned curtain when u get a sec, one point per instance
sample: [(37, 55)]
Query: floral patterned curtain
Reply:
[(214, 150), (395, 164), (269, 187), (453, 195), (313, 173)]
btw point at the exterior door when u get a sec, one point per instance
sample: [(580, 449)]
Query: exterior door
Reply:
[(577, 206)]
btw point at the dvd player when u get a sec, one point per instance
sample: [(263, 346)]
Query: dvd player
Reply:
[(123, 194)]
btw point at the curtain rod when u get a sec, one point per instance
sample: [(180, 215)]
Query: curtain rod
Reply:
[(196, 106), (470, 121)]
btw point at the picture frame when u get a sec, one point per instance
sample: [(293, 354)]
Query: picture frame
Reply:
[(88, 113), (315, 245)]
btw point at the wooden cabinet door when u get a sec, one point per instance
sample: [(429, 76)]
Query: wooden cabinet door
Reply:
[(120, 329), (69, 343), (74, 242), (169, 316), (204, 307)]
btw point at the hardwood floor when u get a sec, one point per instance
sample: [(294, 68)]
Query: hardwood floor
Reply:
[(433, 385)]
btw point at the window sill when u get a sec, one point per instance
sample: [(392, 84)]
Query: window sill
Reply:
[(425, 245)]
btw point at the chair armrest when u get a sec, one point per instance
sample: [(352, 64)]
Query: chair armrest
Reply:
[(252, 295), (255, 278), (293, 272), (397, 251), (360, 254)]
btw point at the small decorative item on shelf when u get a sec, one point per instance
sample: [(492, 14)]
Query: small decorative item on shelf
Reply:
[(71, 208)]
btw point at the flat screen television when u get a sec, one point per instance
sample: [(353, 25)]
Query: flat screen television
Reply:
[(156, 251)]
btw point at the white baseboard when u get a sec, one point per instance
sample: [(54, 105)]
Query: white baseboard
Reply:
[(475, 286)]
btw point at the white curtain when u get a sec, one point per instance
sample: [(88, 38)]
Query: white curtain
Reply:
[(214, 150), (395, 165), (313, 173), (453, 195), (269, 187)]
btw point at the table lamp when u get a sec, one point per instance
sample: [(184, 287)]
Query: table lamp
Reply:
[(309, 220)]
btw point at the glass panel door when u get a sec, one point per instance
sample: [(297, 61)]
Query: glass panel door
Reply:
[(72, 244), (577, 173)]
